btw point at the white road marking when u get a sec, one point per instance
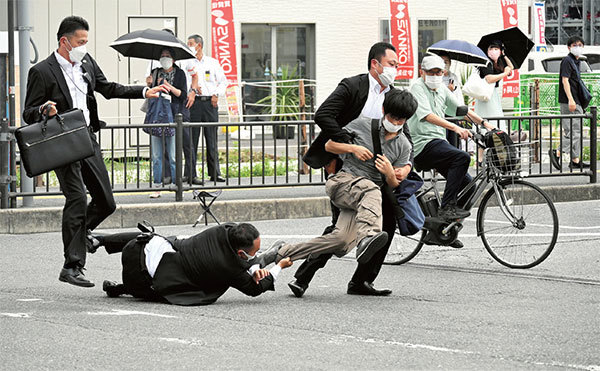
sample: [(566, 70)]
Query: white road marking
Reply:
[(15, 315), (119, 312), (30, 300), (184, 341), (346, 338)]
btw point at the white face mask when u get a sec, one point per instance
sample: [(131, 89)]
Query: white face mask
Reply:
[(388, 75), (166, 62), (76, 54), (248, 256), (391, 128), (433, 82), (577, 51)]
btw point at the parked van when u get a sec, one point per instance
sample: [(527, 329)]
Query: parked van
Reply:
[(549, 62)]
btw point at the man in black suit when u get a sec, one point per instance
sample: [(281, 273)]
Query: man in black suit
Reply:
[(358, 95), (67, 79), (191, 271)]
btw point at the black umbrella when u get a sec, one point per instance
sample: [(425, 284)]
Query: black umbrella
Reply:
[(148, 44), (517, 45)]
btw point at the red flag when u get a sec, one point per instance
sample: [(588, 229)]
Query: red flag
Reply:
[(510, 87), (223, 48), (401, 38)]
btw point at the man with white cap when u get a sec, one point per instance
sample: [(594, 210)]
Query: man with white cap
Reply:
[(428, 130)]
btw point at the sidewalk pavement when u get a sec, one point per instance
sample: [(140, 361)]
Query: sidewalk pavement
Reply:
[(235, 205)]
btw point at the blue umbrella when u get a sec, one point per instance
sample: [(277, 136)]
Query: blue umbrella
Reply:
[(461, 51)]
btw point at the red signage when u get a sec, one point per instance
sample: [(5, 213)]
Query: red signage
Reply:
[(401, 39), (223, 37), (223, 48), (510, 86)]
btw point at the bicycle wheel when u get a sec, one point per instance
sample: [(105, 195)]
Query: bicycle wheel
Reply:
[(528, 240), (404, 248)]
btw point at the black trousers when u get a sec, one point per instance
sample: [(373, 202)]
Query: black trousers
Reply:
[(202, 111), (364, 272), (78, 215), (451, 162)]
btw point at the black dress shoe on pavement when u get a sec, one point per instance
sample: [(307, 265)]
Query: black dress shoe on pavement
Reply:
[(554, 159), (368, 246), (457, 244), (270, 255), (112, 289), (197, 181), (297, 288), (365, 288), (218, 179), (74, 276), (451, 212), (184, 179), (579, 165)]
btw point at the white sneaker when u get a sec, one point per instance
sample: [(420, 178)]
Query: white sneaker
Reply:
[(155, 194)]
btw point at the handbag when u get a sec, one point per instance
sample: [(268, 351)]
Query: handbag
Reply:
[(584, 94), (159, 112), (478, 88), (54, 142), (409, 216)]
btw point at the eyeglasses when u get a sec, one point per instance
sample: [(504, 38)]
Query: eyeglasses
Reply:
[(431, 73)]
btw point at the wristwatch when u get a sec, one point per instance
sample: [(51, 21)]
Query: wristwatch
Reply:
[(195, 91)]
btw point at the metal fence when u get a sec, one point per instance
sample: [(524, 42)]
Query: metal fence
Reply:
[(269, 154)]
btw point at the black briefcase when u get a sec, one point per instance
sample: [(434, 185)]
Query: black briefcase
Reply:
[(54, 142)]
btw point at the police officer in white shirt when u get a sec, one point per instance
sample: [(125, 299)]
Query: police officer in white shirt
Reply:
[(211, 85)]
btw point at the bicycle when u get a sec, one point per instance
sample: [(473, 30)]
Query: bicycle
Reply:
[(516, 220)]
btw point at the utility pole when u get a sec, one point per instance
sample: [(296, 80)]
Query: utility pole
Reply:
[(24, 28)]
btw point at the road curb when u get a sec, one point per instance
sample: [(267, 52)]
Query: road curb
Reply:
[(48, 219)]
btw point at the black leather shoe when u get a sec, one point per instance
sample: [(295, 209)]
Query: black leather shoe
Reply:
[(365, 288), (452, 212), (554, 159), (297, 288), (218, 179), (457, 244), (578, 165), (112, 289), (368, 246), (197, 181), (93, 242), (74, 276)]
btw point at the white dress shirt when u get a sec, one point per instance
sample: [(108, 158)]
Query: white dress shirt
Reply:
[(78, 86), (211, 77), (374, 105), (154, 250)]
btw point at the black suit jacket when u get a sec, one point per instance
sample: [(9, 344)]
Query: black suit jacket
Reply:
[(203, 268), (46, 82), (341, 107)]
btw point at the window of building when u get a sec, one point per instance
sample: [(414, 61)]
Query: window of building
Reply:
[(384, 30), (430, 32), (275, 52)]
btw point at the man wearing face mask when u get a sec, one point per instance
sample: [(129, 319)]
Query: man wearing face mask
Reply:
[(68, 79), (354, 96), (356, 189), (428, 128), (570, 98), (193, 270)]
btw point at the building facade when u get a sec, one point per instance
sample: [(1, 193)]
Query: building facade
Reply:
[(324, 40)]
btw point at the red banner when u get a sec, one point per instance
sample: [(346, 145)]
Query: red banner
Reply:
[(510, 87), (401, 39), (223, 48)]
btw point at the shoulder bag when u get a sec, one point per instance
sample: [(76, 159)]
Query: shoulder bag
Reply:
[(409, 216), (478, 88)]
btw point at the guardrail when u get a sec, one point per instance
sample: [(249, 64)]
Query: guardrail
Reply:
[(253, 159)]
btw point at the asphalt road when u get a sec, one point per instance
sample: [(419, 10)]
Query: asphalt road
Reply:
[(451, 309)]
